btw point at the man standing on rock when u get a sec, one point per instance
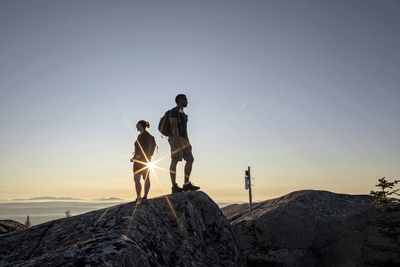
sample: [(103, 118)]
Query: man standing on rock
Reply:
[(180, 145)]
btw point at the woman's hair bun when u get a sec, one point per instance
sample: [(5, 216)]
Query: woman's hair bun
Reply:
[(145, 124)]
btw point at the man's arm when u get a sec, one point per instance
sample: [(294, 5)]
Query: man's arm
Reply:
[(187, 138)]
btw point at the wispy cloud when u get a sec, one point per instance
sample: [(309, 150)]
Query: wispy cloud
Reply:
[(46, 198)]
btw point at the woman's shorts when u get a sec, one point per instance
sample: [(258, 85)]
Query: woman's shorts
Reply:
[(139, 168)]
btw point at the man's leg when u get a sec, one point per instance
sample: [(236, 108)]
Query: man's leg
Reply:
[(188, 169), (188, 156), (172, 170)]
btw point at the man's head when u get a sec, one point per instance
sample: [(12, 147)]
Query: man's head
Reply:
[(181, 101)]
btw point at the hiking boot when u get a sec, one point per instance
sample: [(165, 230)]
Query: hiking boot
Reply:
[(176, 189), (190, 187)]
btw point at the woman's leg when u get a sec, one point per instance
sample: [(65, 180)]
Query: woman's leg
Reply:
[(146, 183), (138, 186)]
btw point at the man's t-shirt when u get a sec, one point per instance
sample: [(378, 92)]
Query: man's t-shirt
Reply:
[(182, 120)]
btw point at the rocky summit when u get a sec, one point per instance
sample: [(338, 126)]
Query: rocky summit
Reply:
[(304, 228), (184, 229), (308, 228)]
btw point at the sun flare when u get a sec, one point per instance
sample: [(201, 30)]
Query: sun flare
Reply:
[(151, 165)]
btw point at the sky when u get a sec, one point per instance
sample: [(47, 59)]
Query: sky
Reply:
[(306, 93)]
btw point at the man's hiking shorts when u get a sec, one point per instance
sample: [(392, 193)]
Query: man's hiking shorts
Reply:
[(178, 153)]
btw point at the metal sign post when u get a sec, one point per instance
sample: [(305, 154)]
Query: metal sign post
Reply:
[(247, 181)]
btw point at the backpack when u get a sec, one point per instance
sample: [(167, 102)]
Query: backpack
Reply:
[(164, 126)]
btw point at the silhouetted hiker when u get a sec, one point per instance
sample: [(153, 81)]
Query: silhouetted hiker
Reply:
[(144, 150), (180, 145)]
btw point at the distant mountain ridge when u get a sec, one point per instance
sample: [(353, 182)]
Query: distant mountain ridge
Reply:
[(110, 199)]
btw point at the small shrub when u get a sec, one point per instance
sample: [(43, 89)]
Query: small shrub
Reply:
[(68, 213), (388, 224)]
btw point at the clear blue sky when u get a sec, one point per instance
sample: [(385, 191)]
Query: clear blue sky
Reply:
[(305, 92)]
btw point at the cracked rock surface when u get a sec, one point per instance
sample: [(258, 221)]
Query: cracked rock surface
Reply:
[(306, 228), (184, 229), (7, 226)]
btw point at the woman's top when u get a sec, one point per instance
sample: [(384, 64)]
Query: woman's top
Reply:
[(148, 144)]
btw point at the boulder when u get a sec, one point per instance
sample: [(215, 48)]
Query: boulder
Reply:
[(7, 226), (184, 229), (307, 228)]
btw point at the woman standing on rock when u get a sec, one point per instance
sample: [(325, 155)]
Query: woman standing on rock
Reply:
[(144, 150)]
